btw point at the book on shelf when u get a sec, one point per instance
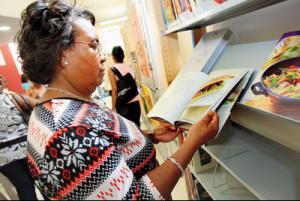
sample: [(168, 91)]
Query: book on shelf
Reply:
[(207, 51), (176, 12), (276, 89), (193, 94), (201, 193), (201, 161)]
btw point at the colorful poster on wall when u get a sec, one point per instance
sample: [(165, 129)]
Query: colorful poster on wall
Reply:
[(277, 86), (9, 67)]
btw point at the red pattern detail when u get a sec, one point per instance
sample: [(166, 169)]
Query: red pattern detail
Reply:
[(94, 151), (67, 174), (115, 184), (48, 106), (53, 153), (38, 135), (130, 147), (55, 136), (145, 162), (136, 196), (86, 173), (34, 170), (81, 132), (82, 115)]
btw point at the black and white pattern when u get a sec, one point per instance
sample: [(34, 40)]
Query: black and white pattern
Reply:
[(12, 127), (86, 159)]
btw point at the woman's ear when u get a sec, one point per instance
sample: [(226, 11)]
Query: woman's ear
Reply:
[(64, 63)]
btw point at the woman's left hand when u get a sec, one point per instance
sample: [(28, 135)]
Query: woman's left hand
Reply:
[(165, 132)]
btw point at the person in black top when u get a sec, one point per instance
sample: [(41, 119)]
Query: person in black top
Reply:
[(127, 103)]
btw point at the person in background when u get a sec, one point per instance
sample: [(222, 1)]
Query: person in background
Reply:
[(25, 84), (130, 110), (13, 145), (80, 149)]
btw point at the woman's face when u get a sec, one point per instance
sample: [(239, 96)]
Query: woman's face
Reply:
[(85, 69)]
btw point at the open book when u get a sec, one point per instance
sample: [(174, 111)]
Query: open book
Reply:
[(193, 94)]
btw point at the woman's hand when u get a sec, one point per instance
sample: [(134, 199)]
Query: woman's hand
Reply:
[(165, 132), (204, 130)]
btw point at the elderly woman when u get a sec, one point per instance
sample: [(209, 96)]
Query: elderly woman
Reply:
[(79, 149)]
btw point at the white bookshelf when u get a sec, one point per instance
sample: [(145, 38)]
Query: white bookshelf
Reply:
[(267, 169), (221, 185), (263, 162), (227, 10)]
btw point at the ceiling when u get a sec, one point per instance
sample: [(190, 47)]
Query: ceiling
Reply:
[(104, 11)]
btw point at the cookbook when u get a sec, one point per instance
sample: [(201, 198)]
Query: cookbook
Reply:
[(276, 88), (193, 94)]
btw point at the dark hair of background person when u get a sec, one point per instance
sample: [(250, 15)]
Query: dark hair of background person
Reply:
[(118, 54), (24, 78), (47, 30)]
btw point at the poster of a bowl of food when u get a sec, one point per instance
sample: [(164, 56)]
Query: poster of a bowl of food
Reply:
[(276, 88)]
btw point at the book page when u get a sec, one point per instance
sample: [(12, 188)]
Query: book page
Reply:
[(212, 94), (173, 102)]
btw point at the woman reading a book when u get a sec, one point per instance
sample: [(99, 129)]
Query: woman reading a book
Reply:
[(78, 148)]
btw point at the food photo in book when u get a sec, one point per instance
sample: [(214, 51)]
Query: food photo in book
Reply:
[(277, 86)]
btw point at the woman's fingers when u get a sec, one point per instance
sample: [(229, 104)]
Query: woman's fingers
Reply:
[(208, 118)]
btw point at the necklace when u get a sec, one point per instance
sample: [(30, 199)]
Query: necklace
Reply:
[(70, 94)]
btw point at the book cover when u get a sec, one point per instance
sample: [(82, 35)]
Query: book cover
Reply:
[(170, 10), (276, 88)]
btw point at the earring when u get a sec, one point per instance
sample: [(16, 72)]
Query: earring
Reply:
[(66, 63)]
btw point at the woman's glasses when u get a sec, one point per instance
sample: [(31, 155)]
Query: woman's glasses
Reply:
[(94, 45)]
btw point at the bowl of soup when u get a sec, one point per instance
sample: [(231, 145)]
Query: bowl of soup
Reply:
[(281, 82)]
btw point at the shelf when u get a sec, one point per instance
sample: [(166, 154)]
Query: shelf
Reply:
[(269, 170), (227, 10), (220, 185), (253, 55), (252, 119)]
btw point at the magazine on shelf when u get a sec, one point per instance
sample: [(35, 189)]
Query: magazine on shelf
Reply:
[(193, 94), (276, 88), (168, 12), (207, 51)]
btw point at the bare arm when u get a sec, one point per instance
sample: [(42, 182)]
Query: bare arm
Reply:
[(114, 88), (166, 176)]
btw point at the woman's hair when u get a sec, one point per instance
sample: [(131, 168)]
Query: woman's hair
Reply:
[(47, 29), (118, 54)]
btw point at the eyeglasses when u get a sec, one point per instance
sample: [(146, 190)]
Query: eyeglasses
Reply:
[(94, 45)]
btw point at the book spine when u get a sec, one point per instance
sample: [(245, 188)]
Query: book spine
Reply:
[(165, 12), (193, 6)]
